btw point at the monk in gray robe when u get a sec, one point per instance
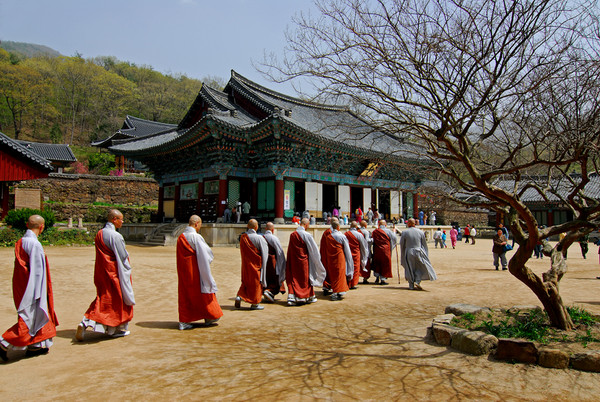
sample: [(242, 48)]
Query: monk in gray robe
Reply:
[(415, 256)]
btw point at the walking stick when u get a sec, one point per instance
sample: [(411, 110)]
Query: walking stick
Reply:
[(397, 259)]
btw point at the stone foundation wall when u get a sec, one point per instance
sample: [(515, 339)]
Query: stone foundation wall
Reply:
[(73, 196)]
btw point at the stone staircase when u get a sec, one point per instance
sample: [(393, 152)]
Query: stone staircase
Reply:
[(165, 234)]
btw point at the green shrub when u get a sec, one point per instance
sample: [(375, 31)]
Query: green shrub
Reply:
[(581, 316), (17, 218), (8, 236)]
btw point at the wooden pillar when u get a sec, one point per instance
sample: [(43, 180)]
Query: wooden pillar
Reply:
[(176, 201), (200, 196), (550, 217), (161, 207), (416, 205), (254, 200), (4, 197), (222, 196), (279, 199)]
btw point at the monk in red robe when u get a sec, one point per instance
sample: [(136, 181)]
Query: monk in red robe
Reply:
[(337, 259), (254, 251), (32, 294), (196, 286), (112, 309), (384, 241), (358, 247), (303, 266)]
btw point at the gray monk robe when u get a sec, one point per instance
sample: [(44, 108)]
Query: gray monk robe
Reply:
[(415, 258)]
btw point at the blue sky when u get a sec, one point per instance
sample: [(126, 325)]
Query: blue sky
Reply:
[(197, 38)]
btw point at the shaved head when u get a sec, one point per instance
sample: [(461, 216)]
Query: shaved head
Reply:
[(270, 226), (363, 224), (114, 213), (411, 222), (335, 225), (382, 222), (35, 221), (194, 219), (252, 224), (354, 224), (305, 222)]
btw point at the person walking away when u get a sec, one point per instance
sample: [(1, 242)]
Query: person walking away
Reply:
[(337, 260), (498, 249), (414, 256), (33, 297), (360, 253), (275, 265), (437, 237), (473, 233), (365, 272), (304, 269), (112, 309), (254, 252), (453, 236), (384, 241), (196, 287), (583, 244), (467, 233), (444, 239)]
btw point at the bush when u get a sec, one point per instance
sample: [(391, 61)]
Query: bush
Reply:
[(17, 218)]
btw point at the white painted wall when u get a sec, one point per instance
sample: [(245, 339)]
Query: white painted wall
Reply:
[(313, 196), (394, 203), (366, 199), (344, 199)]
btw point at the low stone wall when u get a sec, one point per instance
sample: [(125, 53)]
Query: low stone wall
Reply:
[(515, 350), (73, 196)]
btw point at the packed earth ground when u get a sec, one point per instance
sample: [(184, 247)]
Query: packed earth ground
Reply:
[(369, 346)]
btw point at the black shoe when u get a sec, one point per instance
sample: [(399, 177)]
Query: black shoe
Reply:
[(383, 282), (365, 281), (377, 281), (36, 352), (3, 353), (353, 287), (326, 292)]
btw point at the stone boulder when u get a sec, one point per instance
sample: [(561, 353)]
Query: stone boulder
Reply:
[(553, 358), (516, 350), (587, 361), (475, 343), (462, 308), (443, 333)]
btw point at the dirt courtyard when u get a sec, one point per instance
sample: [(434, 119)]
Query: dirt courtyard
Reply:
[(367, 347)]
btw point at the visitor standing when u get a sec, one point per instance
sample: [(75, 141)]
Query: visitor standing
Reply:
[(499, 249)]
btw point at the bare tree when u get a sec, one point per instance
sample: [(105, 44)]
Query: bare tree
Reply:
[(492, 92)]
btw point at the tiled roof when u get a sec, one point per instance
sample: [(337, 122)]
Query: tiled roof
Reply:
[(52, 152), (14, 147), (134, 127), (559, 187)]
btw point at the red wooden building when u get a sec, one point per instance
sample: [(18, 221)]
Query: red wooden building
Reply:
[(18, 163)]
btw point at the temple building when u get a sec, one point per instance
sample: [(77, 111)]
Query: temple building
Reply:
[(280, 154)]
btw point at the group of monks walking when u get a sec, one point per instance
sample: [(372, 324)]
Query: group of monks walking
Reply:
[(336, 266)]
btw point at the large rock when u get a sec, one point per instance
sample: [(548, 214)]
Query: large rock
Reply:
[(462, 308), (517, 350), (442, 333), (587, 361), (474, 342), (553, 358)]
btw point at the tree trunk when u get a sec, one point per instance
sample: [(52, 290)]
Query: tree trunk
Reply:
[(546, 288)]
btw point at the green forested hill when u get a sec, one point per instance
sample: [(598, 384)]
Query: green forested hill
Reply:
[(53, 98), (27, 50)]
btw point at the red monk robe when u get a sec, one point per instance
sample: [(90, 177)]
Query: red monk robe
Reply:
[(108, 307), (18, 334), (334, 260), (193, 304), (297, 268), (355, 249), (382, 254), (251, 287)]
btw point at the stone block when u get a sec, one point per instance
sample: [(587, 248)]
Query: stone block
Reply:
[(475, 343), (553, 358), (442, 333), (443, 319), (462, 308), (517, 350), (586, 361)]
